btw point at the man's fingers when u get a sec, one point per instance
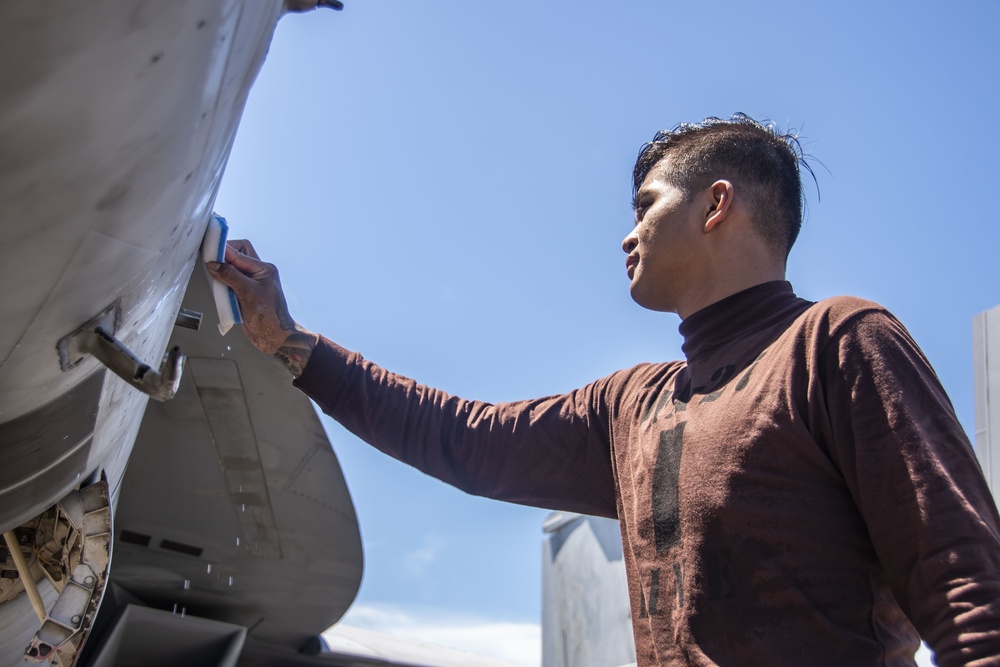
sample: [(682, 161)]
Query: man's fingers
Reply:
[(249, 277), (228, 274), (244, 246), (266, 320), (248, 264)]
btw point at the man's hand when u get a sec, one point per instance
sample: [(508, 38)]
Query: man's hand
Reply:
[(266, 321)]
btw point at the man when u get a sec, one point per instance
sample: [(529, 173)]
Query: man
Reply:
[(797, 492)]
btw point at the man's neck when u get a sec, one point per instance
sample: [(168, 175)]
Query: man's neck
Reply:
[(727, 284)]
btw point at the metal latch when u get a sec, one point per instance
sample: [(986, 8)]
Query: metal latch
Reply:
[(96, 338)]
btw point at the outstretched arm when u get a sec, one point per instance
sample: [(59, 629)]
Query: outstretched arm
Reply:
[(266, 320), (552, 452)]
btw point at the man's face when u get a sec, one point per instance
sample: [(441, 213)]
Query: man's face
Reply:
[(665, 245)]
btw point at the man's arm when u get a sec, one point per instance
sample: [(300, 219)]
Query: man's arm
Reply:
[(266, 320), (551, 452), (916, 481)]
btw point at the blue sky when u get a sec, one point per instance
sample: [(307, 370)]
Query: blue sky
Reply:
[(445, 186)]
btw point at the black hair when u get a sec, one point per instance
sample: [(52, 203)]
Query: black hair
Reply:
[(762, 163)]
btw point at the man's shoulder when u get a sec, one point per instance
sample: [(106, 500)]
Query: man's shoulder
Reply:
[(847, 306), (851, 322), (835, 320), (835, 312), (636, 378), (646, 370)]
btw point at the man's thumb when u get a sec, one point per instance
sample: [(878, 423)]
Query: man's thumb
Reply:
[(224, 273)]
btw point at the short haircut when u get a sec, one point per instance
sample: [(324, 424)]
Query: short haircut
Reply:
[(762, 164)]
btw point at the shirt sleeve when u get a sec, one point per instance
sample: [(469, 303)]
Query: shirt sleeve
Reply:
[(918, 485), (551, 452)]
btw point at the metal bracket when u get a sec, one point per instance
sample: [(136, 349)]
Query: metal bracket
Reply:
[(96, 338), (189, 319)]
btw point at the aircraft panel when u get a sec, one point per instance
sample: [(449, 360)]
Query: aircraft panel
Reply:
[(234, 506)]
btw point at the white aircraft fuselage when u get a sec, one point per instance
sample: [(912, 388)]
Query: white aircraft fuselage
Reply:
[(116, 123), (115, 126), (233, 537)]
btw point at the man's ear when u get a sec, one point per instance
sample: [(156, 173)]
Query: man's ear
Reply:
[(721, 195)]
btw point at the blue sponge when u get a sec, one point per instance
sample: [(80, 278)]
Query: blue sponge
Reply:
[(213, 249)]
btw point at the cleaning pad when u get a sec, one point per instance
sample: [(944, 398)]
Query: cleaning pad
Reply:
[(213, 249)]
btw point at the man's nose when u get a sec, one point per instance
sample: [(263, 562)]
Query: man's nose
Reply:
[(630, 242)]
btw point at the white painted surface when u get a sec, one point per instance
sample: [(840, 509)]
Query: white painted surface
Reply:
[(586, 620), (986, 351), (116, 124)]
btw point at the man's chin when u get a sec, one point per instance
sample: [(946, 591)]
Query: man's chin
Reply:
[(652, 302)]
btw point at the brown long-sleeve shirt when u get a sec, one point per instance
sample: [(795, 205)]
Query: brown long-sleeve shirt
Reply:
[(798, 492)]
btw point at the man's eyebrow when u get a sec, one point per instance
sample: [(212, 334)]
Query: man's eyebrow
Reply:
[(639, 196)]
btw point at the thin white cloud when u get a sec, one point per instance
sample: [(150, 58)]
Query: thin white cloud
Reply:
[(518, 643), (417, 561)]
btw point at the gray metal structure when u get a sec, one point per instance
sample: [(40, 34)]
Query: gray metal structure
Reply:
[(234, 507), (585, 608), (986, 353)]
